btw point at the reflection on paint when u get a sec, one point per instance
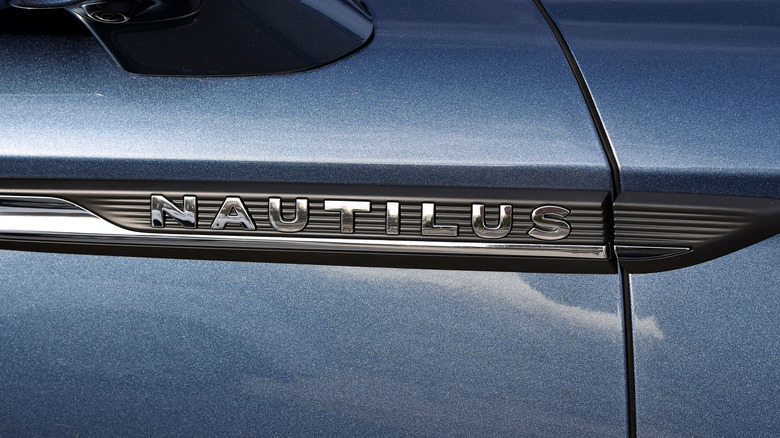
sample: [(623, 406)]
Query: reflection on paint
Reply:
[(509, 288)]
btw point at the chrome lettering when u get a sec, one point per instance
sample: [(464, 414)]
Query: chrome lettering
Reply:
[(549, 224), (187, 216), (348, 210), (393, 218), (288, 226), (429, 226), (481, 229), (233, 211)]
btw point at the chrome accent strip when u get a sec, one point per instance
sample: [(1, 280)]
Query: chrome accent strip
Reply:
[(54, 220), (647, 252)]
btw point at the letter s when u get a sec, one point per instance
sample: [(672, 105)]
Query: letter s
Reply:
[(549, 224)]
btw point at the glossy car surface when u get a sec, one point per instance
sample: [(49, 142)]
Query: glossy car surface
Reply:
[(671, 98)]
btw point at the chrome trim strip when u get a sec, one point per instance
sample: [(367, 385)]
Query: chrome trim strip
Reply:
[(55, 220), (647, 252)]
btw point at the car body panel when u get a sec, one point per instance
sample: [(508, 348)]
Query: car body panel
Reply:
[(687, 90), (441, 96), (95, 345), (714, 370), (688, 94), (446, 94)]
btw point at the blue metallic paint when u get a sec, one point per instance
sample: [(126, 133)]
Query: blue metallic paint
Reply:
[(687, 90), (443, 95), (714, 372), (688, 93), (446, 94), (103, 346)]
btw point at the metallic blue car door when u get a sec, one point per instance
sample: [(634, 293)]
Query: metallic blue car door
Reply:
[(449, 102), (688, 94)]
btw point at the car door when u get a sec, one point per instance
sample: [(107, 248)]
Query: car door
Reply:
[(688, 93), (438, 234)]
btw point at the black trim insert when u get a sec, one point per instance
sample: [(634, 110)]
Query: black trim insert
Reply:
[(699, 227), (126, 204)]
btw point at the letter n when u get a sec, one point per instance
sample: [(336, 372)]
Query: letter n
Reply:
[(186, 216)]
